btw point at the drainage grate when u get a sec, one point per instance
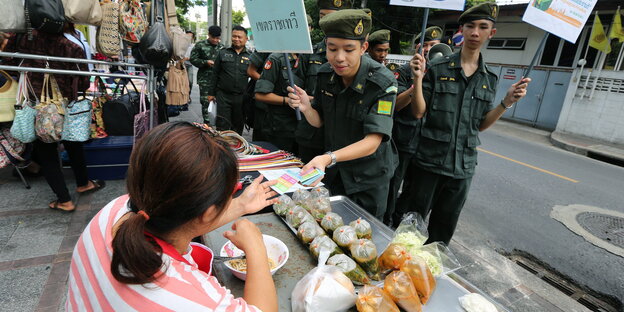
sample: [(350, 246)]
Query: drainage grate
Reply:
[(606, 227)]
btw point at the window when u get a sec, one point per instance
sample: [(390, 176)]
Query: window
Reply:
[(507, 43)]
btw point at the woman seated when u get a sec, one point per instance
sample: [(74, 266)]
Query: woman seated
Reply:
[(136, 253)]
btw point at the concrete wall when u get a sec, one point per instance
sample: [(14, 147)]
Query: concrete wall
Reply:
[(514, 29)]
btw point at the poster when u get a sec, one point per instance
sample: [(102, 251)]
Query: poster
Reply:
[(457, 5), (563, 18), (279, 26)]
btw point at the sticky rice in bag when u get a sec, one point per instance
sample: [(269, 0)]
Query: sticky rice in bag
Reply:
[(375, 299), (321, 243), (364, 252), (308, 231), (418, 270), (393, 257), (284, 203), (401, 289), (320, 192), (362, 228), (351, 269), (344, 236), (298, 215), (320, 207), (331, 221)]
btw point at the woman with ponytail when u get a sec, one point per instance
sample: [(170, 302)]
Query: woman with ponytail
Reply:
[(136, 254)]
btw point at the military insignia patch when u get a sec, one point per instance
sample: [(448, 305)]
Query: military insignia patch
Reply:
[(268, 65), (337, 3), (359, 29), (392, 89), (359, 86), (494, 11), (434, 34), (397, 75), (484, 87), (384, 108)]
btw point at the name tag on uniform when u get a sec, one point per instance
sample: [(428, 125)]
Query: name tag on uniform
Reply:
[(384, 108)]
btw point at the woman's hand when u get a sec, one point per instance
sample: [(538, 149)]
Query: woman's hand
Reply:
[(319, 162), (298, 98), (246, 236), (257, 196)]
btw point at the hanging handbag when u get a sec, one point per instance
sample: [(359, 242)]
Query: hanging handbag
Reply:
[(76, 127), (181, 42), (45, 15), (83, 11), (177, 84), (118, 113), (12, 17), (108, 39), (23, 127), (49, 118), (132, 22), (10, 148), (141, 120), (8, 95), (98, 129), (155, 46)]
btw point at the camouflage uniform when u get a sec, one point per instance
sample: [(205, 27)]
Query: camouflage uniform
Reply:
[(203, 52)]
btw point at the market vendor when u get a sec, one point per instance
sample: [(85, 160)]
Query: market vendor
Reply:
[(137, 254), (354, 102)]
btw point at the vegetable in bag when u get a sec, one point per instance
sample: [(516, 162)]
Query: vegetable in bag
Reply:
[(321, 243), (364, 252), (331, 222), (362, 228), (308, 231), (297, 215), (319, 192), (320, 207), (283, 205), (344, 236), (351, 269)]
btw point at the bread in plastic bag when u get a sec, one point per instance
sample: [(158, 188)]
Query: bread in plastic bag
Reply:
[(393, 257), (283, 205), (320, 207), (421, 276), (331, 221), (399, 286), (375, 299), (319, 192), (325, 288), (308, 231), (321, 243), (351, 269), (362, 228), (364, 252), (344, 236), (298, 215)]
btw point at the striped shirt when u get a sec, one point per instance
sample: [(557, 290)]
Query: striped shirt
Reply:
[(182, 287)]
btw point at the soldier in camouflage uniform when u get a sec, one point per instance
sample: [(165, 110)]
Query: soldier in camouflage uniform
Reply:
[(203, 56)]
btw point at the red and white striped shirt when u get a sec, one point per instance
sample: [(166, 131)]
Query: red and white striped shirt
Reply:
[(182, 287)]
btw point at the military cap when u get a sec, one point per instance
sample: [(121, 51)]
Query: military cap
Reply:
[(347, 24), (379, 37), (431, 33), (309, 18), (334, 4), (487, 11)]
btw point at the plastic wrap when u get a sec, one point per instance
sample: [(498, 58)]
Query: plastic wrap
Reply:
[(344, 236), (393, 257), (308, 231), (298, 215), (321, 243), (319, 192), (351, 269), (331, 221), (283, 205), (320, 207), (364, 252), (375, 299), (362, 228), (399, 286), (421, 276)]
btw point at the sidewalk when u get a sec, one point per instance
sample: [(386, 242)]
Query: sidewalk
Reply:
[(589, 147)]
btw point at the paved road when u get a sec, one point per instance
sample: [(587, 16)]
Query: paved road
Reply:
[(509, 205)]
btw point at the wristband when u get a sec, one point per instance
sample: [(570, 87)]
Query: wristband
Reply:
[(506, 107)]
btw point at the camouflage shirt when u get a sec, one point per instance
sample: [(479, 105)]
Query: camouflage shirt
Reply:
[(203, 52)]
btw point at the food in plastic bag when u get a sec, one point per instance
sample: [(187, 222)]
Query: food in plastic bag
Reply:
[(421, 276), (375, 299), (319, 208), (298, 215), (476, 303), (325, 288), (321, 243), (308, 231), (400, 287), (331, 221), (411, 232), (364, 252), (320, 192), (393, 257), (439, 258), (362, 228), (351, 269), (283, 205), (344, 236), (301, 196)]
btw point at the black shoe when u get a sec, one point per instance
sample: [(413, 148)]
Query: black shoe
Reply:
[(26, 173)]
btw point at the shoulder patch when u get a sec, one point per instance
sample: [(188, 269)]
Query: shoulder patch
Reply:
[(384, 108), (392, 89), (397, 75), (268, 65)]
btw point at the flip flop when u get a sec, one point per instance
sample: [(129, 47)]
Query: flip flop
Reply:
[(55, 206), (99, 184)]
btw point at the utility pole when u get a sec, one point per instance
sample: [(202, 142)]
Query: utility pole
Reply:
[(364, 4), (226, 22)]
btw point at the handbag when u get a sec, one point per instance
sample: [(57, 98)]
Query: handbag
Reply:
[(108, 39), (177, 85), (83, 11), (98, 129), (141, 120), (118, 113), (45, 15), (8, 95), (132, 22), (49, 118), (156, 46), (181, 42), (12, 16), (23, 127), (10, 148), (76, 127)]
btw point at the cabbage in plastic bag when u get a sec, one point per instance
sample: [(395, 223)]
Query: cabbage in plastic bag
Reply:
[(283, 205), (351, 269), (421, 276), (308, 231), (393, 257), (298, 215), (331, 221), (375, 299), (439, 258), (319, 208), (362, 228), (321, 243), (344, 236), (364, 252), (320, 192), (399, 286), (411, 232)]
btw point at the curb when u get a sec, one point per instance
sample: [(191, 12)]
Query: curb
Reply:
[(560, 140)]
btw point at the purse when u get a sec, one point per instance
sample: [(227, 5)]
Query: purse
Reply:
[(23, 127), (12, 16), (156, 46), (98, 129), (181, 42), (45, 15), (177, 85), (141, 120), (118, 113), (108, 39), (76, 127), (8, 95), (49, 119), (132, 22), (83, 11), (10, 148)]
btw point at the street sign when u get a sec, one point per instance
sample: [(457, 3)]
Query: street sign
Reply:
[(279, 26), (562, 18), (457, 5), (210, 7)]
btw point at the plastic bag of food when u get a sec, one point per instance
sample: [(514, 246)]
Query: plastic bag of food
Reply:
[(412, 232), (344, 236), (362, 228), (320, 207), (393, 257), (364, 252), (401, 289), (476, 303), (421, 276), (439, 258), (320, 192), (375, 299), (321, 243), (308, 231), (298, 215), (325, 288), (300, 196), (351, 269), (283, 205), (331, 221)]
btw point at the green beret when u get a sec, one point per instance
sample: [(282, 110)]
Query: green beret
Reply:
[(379, 37), (334, 4), (347, 24), (431, 33), (309, 18), (487, 11)]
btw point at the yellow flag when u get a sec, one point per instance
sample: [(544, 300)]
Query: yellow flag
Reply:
[(616, 31), (598, 39)]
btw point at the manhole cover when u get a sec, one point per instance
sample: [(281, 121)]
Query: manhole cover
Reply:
[(606, 227)]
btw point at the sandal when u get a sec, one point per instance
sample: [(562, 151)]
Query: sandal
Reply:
[(97, 185), (55, 206)]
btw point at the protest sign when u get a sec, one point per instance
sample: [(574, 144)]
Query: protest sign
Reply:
[(457, 5), (563, 18)]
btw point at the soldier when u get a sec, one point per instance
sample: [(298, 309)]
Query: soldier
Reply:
[(456, 93), (379, 45), (230, 81), (203, 57), (354, 102), (433, 36), (256, 63)]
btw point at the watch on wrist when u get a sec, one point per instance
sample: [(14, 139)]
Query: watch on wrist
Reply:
[(502, 103), (333, 159)]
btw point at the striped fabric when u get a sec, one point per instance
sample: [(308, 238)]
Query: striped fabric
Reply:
[(182, 287)]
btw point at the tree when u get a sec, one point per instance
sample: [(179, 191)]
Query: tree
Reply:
[(238, 17)]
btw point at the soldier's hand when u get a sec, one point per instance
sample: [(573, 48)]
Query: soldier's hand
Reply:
[(298, 98), (319, 162), (516, 92), (418, 65), (210, 98), (210, 62)]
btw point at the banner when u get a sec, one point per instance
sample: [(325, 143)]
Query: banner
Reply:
[(457, 5), (279, 26), (563, 18), (598, 39), (616, 31)]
